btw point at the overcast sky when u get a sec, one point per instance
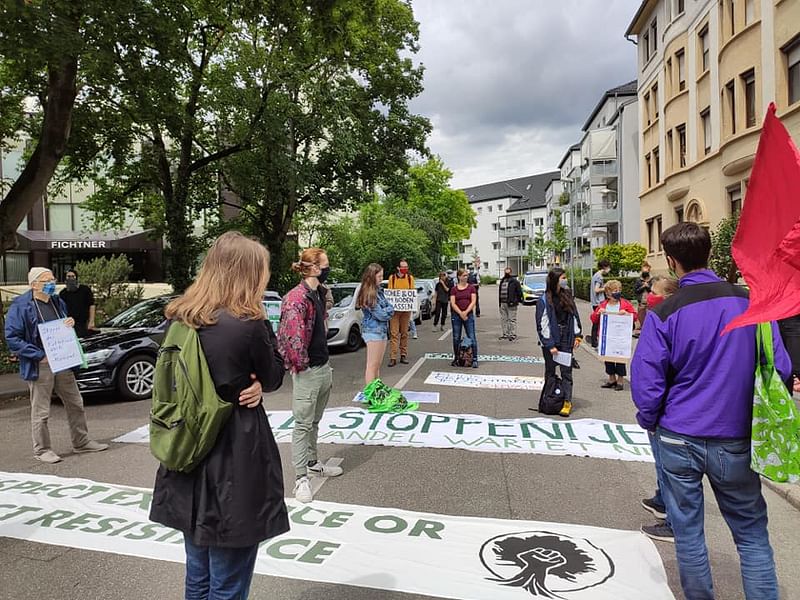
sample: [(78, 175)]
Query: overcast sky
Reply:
[(510, 83)]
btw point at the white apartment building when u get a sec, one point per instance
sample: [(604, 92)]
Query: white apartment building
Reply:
[(508, 214), (601, 175)]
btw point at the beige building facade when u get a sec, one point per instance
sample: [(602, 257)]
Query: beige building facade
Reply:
[(708, 70)]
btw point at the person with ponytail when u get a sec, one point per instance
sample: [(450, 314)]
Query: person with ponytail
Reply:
[(375, 324), (559, 327), (303, 342)]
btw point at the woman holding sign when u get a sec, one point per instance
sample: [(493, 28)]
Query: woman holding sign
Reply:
[(559, 329), (377, 314), (616, 304), (463, 298)]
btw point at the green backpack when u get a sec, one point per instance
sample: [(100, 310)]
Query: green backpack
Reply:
[(186, 413)]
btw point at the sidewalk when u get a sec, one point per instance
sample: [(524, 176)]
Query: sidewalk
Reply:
[(12, 386)]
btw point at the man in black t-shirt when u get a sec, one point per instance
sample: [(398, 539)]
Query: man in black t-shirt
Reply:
[(80, 303)]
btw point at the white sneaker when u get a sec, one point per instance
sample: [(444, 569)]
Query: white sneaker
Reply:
[(90, 446), (48, 456), (321, 470), (414, 337), (302, 490)]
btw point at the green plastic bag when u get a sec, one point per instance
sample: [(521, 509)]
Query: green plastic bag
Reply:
[(775, 449), (381, 398)]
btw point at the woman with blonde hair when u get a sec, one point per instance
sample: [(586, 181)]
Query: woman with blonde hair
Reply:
[(233, 500), (303, 342), (614, 303), (375, 324)]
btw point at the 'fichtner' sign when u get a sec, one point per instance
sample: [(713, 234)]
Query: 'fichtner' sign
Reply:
[(79, 244)]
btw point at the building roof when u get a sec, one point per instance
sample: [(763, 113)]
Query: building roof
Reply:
[(645, 8), (626, 89), (528, 191), (568, 152)]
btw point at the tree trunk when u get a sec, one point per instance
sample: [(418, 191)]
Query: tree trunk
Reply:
[(181, 246), (50, 148)]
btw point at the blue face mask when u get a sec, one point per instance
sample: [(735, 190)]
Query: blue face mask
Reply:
[(563, 283), (616, 295), (49, 288)]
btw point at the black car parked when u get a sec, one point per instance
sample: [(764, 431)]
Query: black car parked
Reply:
[(121, 355)]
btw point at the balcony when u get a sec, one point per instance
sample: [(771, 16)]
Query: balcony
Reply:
[(513, 252), (506, 232), (600, 172)]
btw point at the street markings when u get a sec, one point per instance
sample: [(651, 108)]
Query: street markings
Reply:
[(407, 377)]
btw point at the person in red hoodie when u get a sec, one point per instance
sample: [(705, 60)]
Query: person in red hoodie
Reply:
[(615, 303)]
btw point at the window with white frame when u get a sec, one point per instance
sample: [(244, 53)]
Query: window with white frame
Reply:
[(495, 245), (792, 53), (705, 120), (704, 49)]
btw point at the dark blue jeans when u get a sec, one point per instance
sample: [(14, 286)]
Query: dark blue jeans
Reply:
[(218, 573), (467, 327), (726, 462), (657, 497)]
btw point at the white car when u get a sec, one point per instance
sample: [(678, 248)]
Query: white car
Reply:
[(344, 320)]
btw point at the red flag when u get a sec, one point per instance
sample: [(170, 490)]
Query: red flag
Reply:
[(767, 242)]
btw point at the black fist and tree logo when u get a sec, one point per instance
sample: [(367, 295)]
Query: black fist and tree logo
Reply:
[(546, 564)]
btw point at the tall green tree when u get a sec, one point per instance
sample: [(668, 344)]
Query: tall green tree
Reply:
[(559, 239), (538, 249), (426, 191), (721, 259)]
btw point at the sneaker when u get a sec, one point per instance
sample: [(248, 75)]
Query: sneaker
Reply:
[(575, 363), (392, 362), (90, 446), (513, 338), (659, 511), (322, 470), (566, 408), (474, 364), (619, 387), (454, 363), (302, 490), (48, 456), (660, 532), (414, 337), (441, 328), (404, 359), (607, 385), (503, 337)]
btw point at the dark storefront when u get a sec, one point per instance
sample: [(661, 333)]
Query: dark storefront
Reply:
[(60, 251)]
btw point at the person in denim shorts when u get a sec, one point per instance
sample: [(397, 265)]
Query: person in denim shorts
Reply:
[(377, 314)]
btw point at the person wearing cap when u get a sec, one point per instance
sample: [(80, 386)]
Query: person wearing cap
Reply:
[(39, 305)]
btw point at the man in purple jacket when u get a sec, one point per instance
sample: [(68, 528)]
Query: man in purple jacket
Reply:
[(694, 390)]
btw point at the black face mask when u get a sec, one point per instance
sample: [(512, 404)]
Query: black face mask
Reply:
[(323, 275), (72, 284)]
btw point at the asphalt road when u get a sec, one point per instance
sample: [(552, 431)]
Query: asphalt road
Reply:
[(562, 489)]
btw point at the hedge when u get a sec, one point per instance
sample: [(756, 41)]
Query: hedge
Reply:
[(582, 285)]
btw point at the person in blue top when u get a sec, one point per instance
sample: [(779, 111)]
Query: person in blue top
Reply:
[(559, 327), (377, 314), (39, 305)]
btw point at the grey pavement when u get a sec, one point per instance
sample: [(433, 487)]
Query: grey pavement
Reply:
[(564, 489)]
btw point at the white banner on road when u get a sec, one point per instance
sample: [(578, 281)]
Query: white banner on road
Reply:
[(494, 382), (526, 360), (538, 435), (379, 548)]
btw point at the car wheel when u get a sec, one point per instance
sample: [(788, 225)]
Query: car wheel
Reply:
[(135, 378), (354, 339)]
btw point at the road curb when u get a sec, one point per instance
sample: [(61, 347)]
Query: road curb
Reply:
[(788, 491)]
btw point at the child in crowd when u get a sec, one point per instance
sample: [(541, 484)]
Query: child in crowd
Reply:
[(614, 303), (661, 288)]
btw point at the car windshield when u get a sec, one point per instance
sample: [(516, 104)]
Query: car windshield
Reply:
[(149, 313), (343, 296), (536, 280)]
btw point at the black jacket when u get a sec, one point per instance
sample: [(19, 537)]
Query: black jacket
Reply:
[(234, 498), (553, 334), (514, 295)]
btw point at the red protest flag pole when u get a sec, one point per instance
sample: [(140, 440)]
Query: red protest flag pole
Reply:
[(766, 247)]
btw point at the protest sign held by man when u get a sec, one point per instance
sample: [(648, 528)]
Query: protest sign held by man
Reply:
[(398, 326), (40, 305)]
